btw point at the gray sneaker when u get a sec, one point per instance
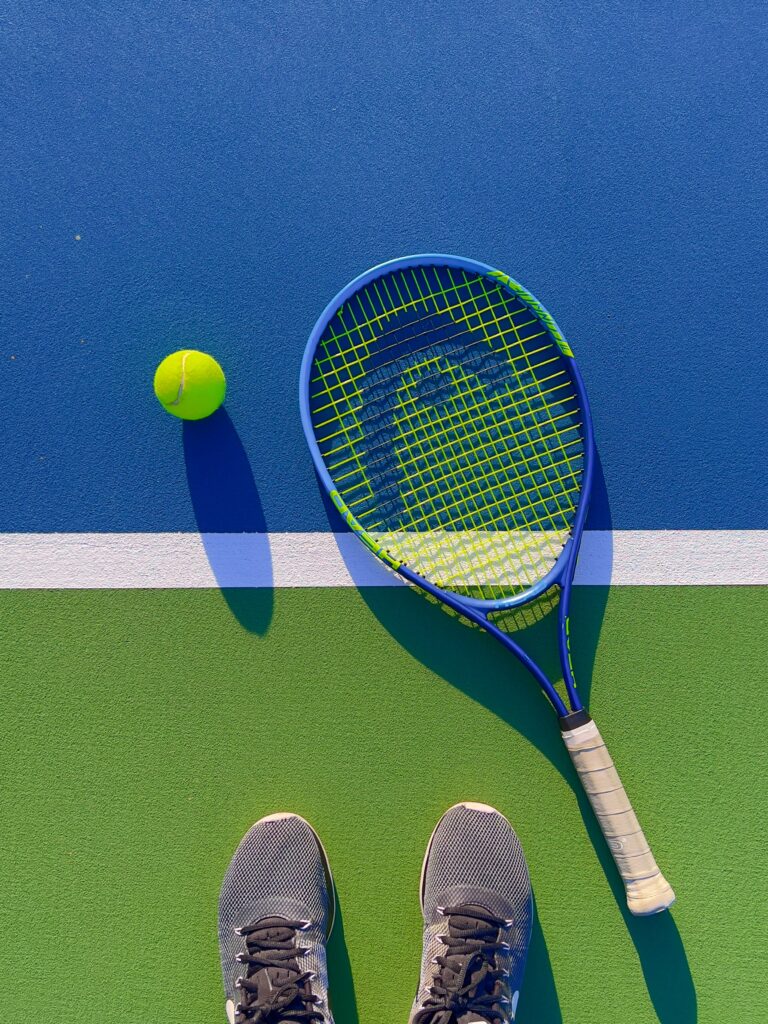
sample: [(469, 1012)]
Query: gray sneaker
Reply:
[(275, 915), (477, 906)]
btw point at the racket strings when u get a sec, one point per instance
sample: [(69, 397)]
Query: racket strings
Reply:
[(463, 520), (453, 418), (342, 367), (468, 496), (362, 421), (514, 620), (433, 443), (451, 428), (364, 346)]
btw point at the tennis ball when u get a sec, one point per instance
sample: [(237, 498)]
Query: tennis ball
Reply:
[(190, 384)]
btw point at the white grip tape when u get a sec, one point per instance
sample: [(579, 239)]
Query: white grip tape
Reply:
[(648, 891)]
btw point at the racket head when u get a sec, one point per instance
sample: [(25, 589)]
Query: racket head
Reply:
[(448, 421)]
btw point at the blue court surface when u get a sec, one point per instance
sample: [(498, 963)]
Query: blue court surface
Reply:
[(209, 175)]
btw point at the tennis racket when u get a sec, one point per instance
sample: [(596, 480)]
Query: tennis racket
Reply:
[(449, 423)]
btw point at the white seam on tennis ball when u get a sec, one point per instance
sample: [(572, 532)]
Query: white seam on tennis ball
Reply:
[(177, 399)]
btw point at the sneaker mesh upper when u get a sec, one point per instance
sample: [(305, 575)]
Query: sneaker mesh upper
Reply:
[(278, 869), (475, 858)]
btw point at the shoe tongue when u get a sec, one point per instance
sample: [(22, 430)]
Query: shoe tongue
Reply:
[(469, 916), (462, 924), (268, 979)]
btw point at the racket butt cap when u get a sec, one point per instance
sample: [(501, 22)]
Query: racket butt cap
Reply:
[(650, 896)]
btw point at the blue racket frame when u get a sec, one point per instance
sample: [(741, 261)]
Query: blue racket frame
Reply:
[(562, 572)]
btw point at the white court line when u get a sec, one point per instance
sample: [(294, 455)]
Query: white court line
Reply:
[(81, 561)]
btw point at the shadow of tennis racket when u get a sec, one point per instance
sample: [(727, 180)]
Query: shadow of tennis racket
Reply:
[(474, 663)]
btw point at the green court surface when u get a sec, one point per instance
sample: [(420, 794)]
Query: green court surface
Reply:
[(144, 731)]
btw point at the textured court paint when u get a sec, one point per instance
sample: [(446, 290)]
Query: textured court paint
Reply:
[(210, 174), (143, 732), (74, 561)]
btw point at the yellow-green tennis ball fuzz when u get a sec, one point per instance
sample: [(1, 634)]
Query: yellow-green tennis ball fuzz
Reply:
[(190, 384)]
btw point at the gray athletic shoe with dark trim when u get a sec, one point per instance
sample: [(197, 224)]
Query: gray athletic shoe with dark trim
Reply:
[(276, 912), (478, 909)]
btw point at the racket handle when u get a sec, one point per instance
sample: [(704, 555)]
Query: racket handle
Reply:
[(648, 891)]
